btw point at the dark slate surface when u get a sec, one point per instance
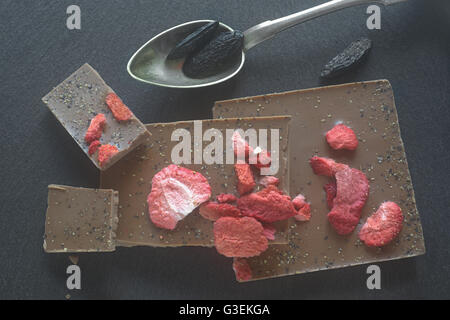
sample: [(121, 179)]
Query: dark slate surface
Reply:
[(38, 51)]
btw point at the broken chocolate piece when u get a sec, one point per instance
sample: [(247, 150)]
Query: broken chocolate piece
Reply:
[(78, 99), (369, 109), (132, 177), (80, 219)]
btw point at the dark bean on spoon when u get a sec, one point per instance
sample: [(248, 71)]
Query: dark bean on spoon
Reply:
[(194, 41), (216, 56)]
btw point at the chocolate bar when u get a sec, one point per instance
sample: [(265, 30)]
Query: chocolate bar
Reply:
[(80, 219), (132, 177), (369, 109), (78, 99)]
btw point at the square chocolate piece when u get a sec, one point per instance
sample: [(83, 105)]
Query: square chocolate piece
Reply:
[(78, 99), (132, 177), (80, 219), (369, 109)]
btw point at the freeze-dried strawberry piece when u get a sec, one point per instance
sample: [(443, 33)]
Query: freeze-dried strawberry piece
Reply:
[(330, 190), (240, 146), (268, 205), (258, 157), (94, 132), (242, 269), (105, 153), (226, 198), (93, 147), (176, 192), (303, 208), (325, 166), (213, 210), (271, 189), (382, 226), (239, 237), (269, 231), (119, 110), (299, 201), (351, 196), (269, 180), (244, 174), (304, 214), (342, 137)]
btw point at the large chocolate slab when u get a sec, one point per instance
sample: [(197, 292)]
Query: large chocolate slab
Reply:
[(80, 219), (80, 98), (370, 110), (132, 177)]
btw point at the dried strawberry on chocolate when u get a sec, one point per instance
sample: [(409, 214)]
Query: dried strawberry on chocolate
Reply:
[(342, 137), (105, 153), (330, 190), (303, 208), (325, 166), (93, 147), (351, 193), (226, 198), (382, 226), (119, 110), (242, 269), (267, 205), (269, 180), (213, 210), (239, 237), (176, 192), (245, 179), (299, 202), (304, 214), (269, 231), (240, 147), (95, 130), (258, 157), (351, 196)]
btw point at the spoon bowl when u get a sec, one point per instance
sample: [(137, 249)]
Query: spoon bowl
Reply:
[(149, 63)]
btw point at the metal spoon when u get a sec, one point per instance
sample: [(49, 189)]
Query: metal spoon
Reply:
[(149, 63)]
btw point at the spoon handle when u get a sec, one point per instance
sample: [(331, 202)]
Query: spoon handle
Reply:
[(269, 29)]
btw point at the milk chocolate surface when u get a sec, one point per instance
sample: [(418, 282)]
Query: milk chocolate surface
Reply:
[(369, 109), (132, 177), (80, 98), (80, 219)]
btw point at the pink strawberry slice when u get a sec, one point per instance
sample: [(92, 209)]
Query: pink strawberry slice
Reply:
[(382, 226)]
